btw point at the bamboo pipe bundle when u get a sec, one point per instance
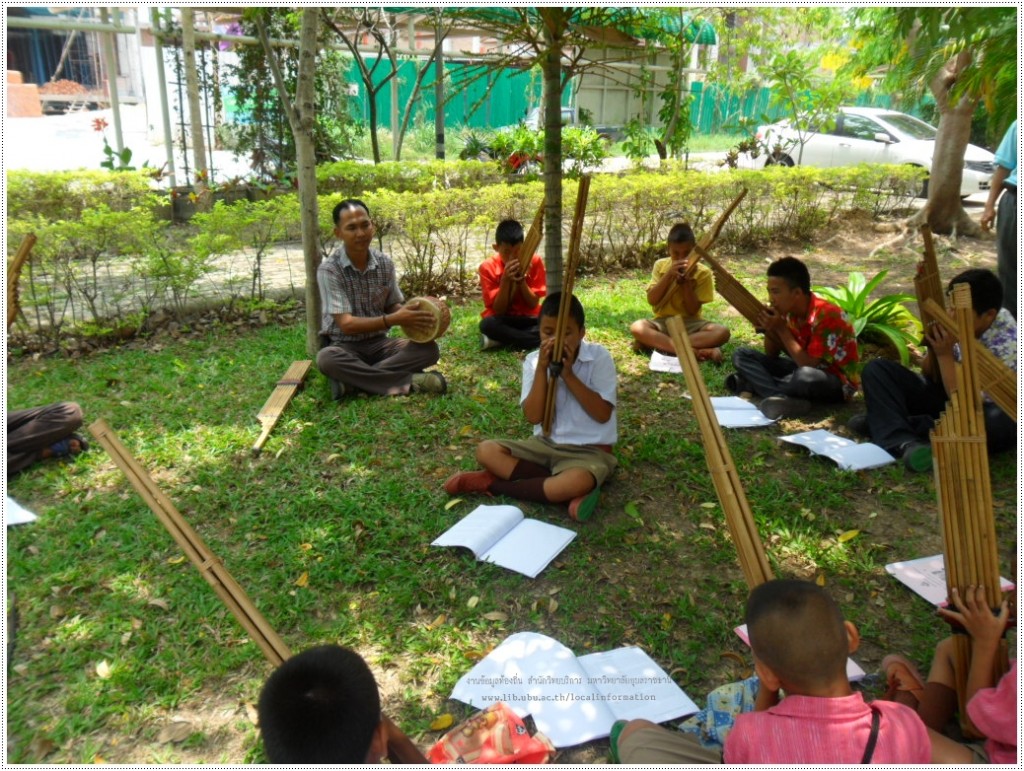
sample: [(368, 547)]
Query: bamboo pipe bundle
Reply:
[(994, 377), (737, 295), (738, 515), (927, 282), (14, 273), (532, 240), (283, 392), (702, 248), (211, 568), (568, 281), (965, 493)]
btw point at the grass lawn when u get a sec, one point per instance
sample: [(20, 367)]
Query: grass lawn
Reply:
[(329, 530)]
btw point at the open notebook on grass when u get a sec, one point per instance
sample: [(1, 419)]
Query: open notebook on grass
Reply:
[(572, 699), (503, 535), (848, 455), (927, 577)]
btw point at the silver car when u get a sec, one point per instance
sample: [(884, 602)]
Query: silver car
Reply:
[(872, 135)]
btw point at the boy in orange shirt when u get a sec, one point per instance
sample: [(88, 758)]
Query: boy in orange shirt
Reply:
[(511, 296)]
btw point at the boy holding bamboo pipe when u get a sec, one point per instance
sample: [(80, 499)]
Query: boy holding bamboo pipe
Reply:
[(902, 406), (570, 465), (512, 293), (688, 285)]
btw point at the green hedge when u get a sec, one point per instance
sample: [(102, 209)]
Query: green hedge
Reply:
[(66, 194), (100, 266)]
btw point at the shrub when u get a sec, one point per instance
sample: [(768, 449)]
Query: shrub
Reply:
[(64, 195), (882, 320)]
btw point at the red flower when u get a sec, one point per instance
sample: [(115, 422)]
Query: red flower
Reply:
[(99, 124)]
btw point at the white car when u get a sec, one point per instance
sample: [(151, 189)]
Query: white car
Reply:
[(872, 135)]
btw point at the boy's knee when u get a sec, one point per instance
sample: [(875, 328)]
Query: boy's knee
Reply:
[(487, 449), (637, 328)]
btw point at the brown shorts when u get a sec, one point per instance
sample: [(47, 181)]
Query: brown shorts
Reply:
[(562, 457), (692, 325), (659, 746)]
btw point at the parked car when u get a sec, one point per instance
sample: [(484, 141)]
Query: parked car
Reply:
[(872, 135), (570, 117)]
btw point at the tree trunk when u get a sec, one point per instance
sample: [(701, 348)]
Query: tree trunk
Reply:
[(944, 213), (305, 150), (195, 115), (552, 99), (302, 118)]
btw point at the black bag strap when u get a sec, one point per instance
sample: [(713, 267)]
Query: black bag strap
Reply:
[(869, 750)]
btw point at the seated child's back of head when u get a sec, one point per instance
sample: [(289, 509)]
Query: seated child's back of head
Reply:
[(797, 630), (986, 289), (320, 706)]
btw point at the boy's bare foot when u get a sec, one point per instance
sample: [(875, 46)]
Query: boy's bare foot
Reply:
[(709, 354)]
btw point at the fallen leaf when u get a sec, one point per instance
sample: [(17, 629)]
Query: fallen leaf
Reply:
[(302, 580), (56, 611), (849, 535), (176, 560), (472, 601), (708, 526), (465, 431), (251, 713), (159, 603), (104, 670), (820, 579), (452, 593), (178, 731), (125, 638), (437, 621), (733, 657), (708, 505), (451, 503), (442, 722), (496, 615), (552, 605), (306, 546), (41, 746), (554, 590)]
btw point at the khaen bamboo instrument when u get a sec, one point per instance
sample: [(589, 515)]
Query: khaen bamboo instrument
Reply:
[(14, 274), (286, 388), (994, 377), (211, 568), (738, 515), (532, 241), (737, 295), (964, 489), (927, 281), (701, 249), (568, 280)]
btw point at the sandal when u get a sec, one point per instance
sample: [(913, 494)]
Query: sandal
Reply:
[(902, 675)]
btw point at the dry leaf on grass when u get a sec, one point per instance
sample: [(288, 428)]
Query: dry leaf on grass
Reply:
[(104, 670), (302, 580), (472, 601), (451, 503), (496, 615), (441, 722), (178, 731)]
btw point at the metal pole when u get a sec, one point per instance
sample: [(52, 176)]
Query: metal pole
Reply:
[(394, 97), (165, 108), (110, 64)]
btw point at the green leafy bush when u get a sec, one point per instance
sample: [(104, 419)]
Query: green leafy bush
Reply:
[(884, 320), (64, 195)]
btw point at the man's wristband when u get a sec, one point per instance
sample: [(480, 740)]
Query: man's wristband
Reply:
[(384, 318)]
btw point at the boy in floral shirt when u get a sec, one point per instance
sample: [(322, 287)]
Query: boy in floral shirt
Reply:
[(902, 405), (821, 358)]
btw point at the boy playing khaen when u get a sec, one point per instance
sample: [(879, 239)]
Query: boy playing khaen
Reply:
[(991, 705), (322, 706), (570, 465), (902, 406), (511, 297), (800, 644), (689, 293), (820, 364)]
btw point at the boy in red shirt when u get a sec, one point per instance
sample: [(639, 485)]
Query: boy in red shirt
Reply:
[(511, 296)]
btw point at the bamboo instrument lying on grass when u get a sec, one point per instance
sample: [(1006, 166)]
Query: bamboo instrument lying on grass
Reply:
[(14, 273), (568, 281), (283, 392), (994, 377), (738, 515), (964, 491), (701, 249), (211, 568)]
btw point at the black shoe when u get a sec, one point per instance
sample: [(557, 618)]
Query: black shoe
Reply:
[(337, 389), (858, 424), (736, 383), (775, 407), (917, 456)]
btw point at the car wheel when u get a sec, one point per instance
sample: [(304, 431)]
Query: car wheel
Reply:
[(778, 159)]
